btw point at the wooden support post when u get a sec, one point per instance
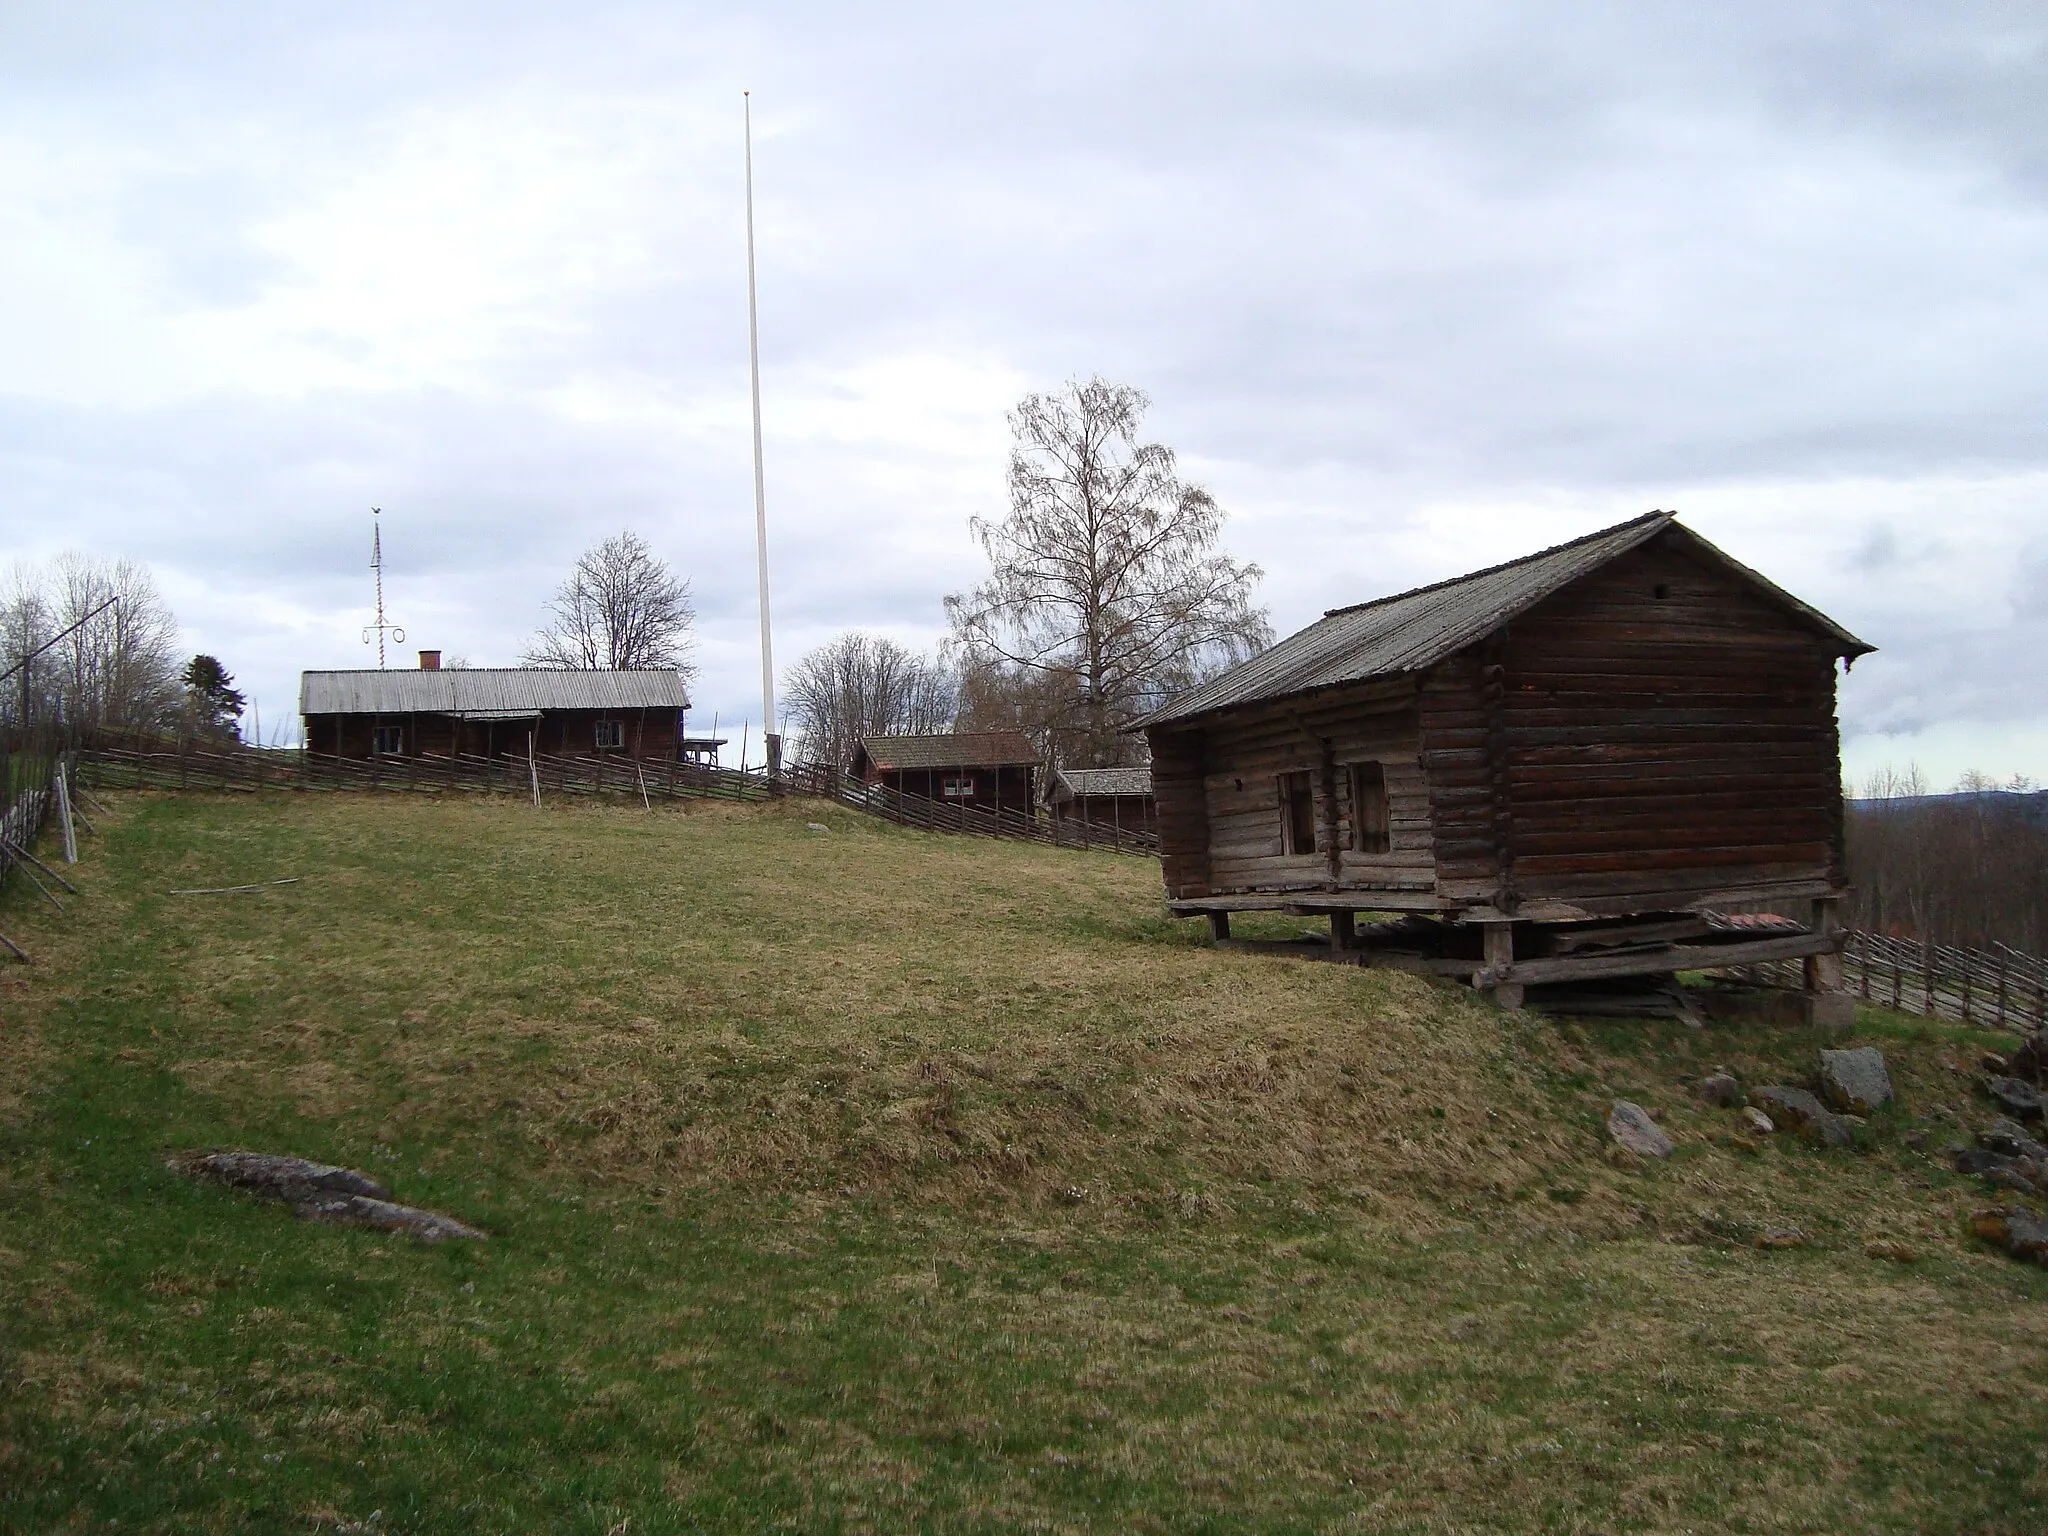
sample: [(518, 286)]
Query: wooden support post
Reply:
[(64, 816), (1499, 956), (1333, 855), (1927, 976), (1828, 1001), (1219, 926), (1343, 930)]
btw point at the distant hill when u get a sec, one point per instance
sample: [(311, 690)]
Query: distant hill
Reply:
[(2027, 806)]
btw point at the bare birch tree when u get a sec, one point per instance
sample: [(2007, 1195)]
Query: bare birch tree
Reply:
[(621, 608), (115, 669), (866, 685), (1106, 584)]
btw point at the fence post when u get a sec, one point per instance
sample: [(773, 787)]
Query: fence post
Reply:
[(2001, 991), (1927, 974)]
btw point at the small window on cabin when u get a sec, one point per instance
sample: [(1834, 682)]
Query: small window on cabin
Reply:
[(611, 735), (1661, 590), (1297, 813), (959, 789), (390, 740), (1372, 825)]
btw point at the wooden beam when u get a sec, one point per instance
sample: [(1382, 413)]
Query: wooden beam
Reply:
[(1305, 903), (1680, 957)]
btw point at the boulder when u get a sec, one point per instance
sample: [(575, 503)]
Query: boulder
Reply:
[(362, 1211), (1631, 1125), (2022, 1174), (2026, 1237), (1855, 1082), (1758, 1121), (1720, 1089), (1801, 1111), (2018, 1231), (276, 1177), (2010, 1139), (2030, 1062), (320, 1192), (1780, 1237), (2020, 1100)]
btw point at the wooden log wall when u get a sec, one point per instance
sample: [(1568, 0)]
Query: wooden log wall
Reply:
[(1242, 757), (1663, 729), (1181, 812)]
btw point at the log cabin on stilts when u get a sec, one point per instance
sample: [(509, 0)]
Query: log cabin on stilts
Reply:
[(1561, 769)]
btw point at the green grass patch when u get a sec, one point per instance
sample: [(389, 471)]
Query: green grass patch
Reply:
[(870, 1180)]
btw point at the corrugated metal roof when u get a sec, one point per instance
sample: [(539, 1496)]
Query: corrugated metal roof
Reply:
[(485, 690), (1413, 630), (1103, 781), (961, 749)]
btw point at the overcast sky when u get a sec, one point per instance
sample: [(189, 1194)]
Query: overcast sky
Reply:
[(1413, 289)]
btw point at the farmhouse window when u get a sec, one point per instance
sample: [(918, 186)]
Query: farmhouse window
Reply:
[(611, 734), (959, 789), (1297, 813), (390, 740), (1371, 825)]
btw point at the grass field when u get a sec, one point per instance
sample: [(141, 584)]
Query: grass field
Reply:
[(865, 1180)]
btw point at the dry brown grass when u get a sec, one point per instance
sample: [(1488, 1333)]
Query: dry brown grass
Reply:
[(869, 1180)]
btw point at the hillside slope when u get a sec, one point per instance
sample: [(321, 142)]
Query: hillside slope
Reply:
[(869, 1179)]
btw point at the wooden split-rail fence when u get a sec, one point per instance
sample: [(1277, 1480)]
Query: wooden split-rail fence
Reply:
[(545, 773), (1996, 988), (829, 783)]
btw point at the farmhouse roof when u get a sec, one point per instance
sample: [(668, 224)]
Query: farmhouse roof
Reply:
[(485, 692), (1101, 781), (955, 749), (1417, 629)]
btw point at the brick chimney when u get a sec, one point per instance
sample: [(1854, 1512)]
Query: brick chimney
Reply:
[(430, 661)]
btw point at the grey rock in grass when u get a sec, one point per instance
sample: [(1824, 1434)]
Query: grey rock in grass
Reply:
[(1799, 1110), (1758, 1121), (1631, 1125), (1855, 1081), (2026, 1237), (2019, 1099), (2010, 1139), (274, 1177), (362, 1211), (2030, 1062), (2018, 1231), (1720, 1089), (816, 826), (320, 1192)]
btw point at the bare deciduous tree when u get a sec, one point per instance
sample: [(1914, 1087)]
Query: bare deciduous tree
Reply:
[(620, 608), (1966, 867), (1106, 581), (866, 685), (120, 666), (116, 669)]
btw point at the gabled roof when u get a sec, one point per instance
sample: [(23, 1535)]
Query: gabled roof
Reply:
[(1413, 630), (954, 749), (1069, 782), (506, 692)]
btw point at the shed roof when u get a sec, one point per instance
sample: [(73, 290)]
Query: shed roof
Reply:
[(954, 749), (1416, 629), (506, 692), (1101, 781)]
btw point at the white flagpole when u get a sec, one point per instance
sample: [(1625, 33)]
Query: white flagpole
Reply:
[(774, 742)]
